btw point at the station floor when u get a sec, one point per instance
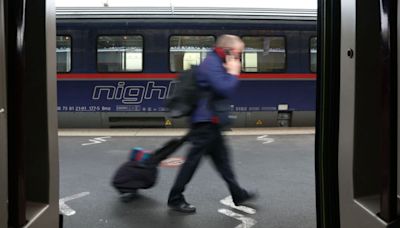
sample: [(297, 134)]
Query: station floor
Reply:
[(278, 163)]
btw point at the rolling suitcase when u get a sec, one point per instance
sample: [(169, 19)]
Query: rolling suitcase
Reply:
[(142, 174)]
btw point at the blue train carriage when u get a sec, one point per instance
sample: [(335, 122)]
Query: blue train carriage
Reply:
[(116, 68)]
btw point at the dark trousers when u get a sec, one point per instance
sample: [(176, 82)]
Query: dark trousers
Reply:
[(206, 139)]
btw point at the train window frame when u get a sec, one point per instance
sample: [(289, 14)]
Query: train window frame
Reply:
[(119, 35), (180, 34), (71, 55), (284, 69), (309, 54)]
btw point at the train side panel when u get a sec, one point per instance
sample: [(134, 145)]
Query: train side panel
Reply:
[(87, 98)]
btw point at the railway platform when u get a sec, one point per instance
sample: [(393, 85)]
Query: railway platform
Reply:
[(278, 163)]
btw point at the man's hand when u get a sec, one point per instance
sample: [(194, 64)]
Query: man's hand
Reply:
[(232, 65)]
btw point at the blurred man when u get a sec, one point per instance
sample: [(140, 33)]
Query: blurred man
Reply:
[(217, 77)]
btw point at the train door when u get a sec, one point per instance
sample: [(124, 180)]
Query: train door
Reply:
[(3, 127), (357, 150)]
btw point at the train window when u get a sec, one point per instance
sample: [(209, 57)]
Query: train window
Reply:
[(313, 54), (264, 54), (185, 51), (119, 53), (63, 52)]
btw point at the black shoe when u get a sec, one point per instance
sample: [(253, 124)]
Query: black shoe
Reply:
[(251, 195), (183, 207)]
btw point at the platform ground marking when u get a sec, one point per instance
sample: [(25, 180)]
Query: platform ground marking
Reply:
[(172, 162), (265, 140), (246, 221), (96, 140), (64, 208), (227, 201)]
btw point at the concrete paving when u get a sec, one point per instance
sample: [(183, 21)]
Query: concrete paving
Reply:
[(280, 167)]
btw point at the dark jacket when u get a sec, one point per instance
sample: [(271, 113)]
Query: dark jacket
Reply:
[(213, 78)]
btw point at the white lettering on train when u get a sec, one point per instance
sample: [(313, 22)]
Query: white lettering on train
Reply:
[(133, 94)]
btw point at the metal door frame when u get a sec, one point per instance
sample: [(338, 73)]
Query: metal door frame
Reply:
[(3, 126), (343, 195), (32, 123), (327, 117), (359, 199)]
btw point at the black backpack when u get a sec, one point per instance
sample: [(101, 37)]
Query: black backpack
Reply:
[(183, 99)]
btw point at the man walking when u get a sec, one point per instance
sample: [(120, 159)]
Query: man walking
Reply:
[(217, 76)]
